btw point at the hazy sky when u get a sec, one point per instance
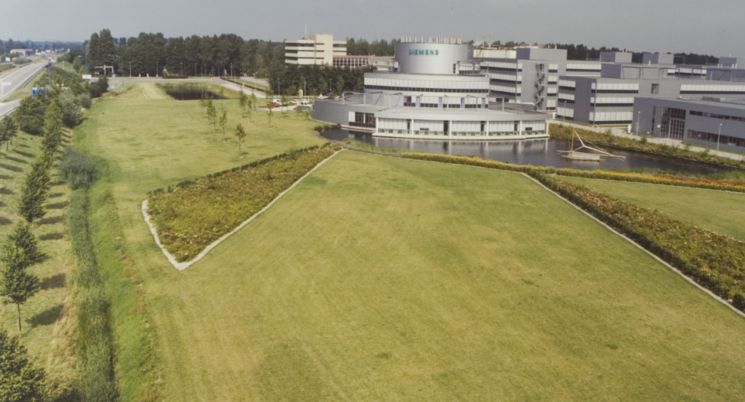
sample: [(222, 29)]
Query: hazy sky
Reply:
[(711, 27)]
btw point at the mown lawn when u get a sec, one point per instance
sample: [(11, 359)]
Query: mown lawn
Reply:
[(389, 279), (46, 319), (720, 211), (146, 144)]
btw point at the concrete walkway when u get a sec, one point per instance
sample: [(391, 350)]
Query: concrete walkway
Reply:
[(621, 132)]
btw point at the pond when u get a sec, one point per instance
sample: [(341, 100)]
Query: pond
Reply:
[(189, 93), (539, 152)]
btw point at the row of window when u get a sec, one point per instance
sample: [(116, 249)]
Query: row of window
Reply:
[(410, 89), (496, 80), (615, 91), (714, 137), (610, 121), (716, 116), (711, 93), (611, 104)]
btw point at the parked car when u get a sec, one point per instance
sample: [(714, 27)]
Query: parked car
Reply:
[(272, 104)]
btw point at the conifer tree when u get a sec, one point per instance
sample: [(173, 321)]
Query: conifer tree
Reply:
[(18, 285), (35, 190), (243, 102), (223, 122), (24, 239), (19, 379), (52, 127), (240, 133)]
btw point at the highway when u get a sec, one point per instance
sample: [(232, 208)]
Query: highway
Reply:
[(18, 78)]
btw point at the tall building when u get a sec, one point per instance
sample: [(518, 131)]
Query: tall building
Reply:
[(437, 91), (314, 50)]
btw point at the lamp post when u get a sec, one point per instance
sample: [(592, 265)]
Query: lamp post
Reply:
[(719, 134), (231, 70), (182, 68), (156, 68)]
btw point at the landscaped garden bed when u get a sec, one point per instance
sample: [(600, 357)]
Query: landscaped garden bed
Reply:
[(195, 213)]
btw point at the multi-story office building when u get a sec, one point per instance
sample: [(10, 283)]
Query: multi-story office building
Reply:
[(437, 92), (610, 99), (709, 121), (314, 50), (532, 77)]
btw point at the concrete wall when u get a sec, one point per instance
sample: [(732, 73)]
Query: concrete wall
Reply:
[(534, 53), (657, 58), (615, 57), (334, 111)]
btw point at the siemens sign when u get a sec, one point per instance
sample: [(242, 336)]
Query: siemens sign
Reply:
[(425, 52)]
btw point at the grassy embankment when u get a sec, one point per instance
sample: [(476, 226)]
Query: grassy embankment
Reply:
[(720, 211), (145, 144), (381, 278), (48, 321)]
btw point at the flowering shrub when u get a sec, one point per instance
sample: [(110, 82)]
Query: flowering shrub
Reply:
[(195, 213)]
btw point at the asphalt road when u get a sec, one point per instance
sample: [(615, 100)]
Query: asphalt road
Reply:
[(18, 78)]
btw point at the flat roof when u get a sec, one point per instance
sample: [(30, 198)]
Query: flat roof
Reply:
[(727, 103)]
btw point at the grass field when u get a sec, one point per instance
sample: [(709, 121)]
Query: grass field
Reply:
[(46, 320), (388, 279), (720, 211), (147, 144)]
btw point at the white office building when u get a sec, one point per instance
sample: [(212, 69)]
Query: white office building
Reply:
[(314, 50)]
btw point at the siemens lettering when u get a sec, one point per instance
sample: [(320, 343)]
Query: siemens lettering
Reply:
[(425, 52)]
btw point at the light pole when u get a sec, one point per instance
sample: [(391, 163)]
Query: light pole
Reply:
[(156, 68), (231, 70), (719, 134), (182, 68)]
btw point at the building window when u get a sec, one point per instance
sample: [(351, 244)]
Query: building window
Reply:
[(673, 123), (655, 89)]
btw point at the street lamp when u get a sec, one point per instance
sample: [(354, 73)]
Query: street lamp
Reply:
[(156, 68), (182, 68), (719, 134)]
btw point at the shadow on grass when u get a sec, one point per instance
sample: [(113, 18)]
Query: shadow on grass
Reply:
[(50, 220), (26, 154), (16, 160), (54, 282), (47, 317), (55, 195), (5, 191), (51, 236), (11, 167), (5, 221), (58, 205)]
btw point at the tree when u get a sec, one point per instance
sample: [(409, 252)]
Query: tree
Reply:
[(18, 285), (19, 379), (212, 114), (35, 189), (243, 102), (223, 121), (22, 238), (52, 127), (240, 134), (269, 114), (252, 100), (284, 101)]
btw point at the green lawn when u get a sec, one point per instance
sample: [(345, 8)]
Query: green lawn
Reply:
[(720, 211), (47, 324), (388, 279), (148, 144)]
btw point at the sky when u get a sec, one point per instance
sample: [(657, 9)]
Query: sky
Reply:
[(692, 26)]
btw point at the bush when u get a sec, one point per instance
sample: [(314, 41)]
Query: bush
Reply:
[(77, 168), (71, 105), (30, 114), (98, 88)]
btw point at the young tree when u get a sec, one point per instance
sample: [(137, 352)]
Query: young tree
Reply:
[(22, 238), (223, 122), (52, 127), (19, 379), (252, 100), (17, 285), (269, 114), (212, 114), (243, 102), (240, 134), (284, 101)]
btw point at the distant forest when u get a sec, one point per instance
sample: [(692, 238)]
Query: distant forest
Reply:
[(37, 45)]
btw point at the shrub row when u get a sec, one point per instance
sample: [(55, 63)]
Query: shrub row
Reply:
[(565, 132), (729, 185), (195, 213), (714, 261), (95, 349)]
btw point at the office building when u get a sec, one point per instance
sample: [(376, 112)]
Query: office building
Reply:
[(437, 92), (314, 50), (708, 121)]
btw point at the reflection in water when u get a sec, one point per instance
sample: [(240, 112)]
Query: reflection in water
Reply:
[(541, 152)]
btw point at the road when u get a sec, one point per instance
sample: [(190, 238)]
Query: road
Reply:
[(18, 78)]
